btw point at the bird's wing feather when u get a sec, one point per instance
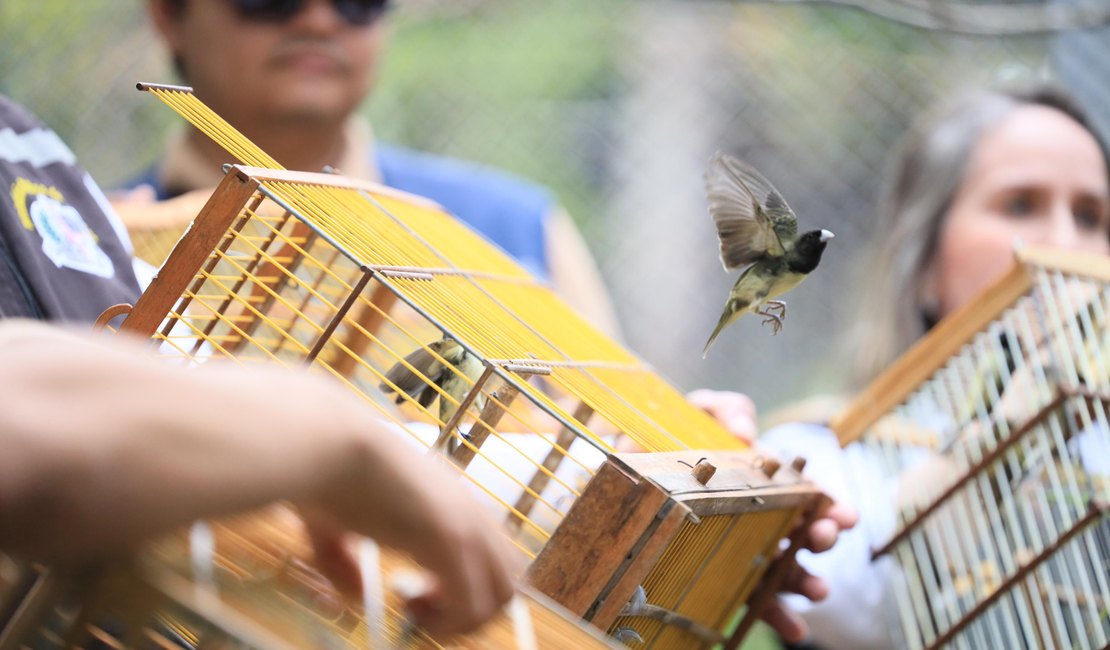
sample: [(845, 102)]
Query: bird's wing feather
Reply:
[(752, 219), (412, 383), (782, 218)]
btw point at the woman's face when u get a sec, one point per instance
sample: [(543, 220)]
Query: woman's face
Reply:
[(1037, 177)]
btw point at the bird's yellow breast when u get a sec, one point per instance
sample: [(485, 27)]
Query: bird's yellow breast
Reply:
[(785, 283), (759, 286)]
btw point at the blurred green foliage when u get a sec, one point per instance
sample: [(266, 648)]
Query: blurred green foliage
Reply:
[(533, 73), (75, 65), (555, 91)]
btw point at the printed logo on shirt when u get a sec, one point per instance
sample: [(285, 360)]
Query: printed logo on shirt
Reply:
[(67, 240)]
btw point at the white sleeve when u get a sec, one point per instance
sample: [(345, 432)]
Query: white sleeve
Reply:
[(859, 612)]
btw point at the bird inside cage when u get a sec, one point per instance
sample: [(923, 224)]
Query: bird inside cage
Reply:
[(442, 370)]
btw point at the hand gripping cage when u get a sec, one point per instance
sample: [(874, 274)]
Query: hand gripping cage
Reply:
[(468, 356), (995, 429)]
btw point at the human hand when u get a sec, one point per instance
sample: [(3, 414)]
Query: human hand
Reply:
[(424, 512), (735, 411), (324, 451), (819, 536)]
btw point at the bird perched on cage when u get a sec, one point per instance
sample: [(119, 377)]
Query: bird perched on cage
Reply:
[(443, 365), (756, 227)]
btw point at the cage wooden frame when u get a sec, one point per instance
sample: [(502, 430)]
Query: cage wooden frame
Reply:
[(307, 269)]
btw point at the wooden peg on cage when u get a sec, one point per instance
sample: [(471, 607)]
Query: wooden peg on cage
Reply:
[(769, 466), (703, 471), (547, 468)]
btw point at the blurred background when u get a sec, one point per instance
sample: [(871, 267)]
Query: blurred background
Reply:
[(617, 105)]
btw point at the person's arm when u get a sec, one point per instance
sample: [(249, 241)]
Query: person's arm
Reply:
[(105, 445)]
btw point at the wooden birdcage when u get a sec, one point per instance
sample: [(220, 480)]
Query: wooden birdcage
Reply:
[(678, 546), (253, 593), (995, 427)]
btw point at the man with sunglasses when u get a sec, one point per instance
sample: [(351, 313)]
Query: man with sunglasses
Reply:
[(291, 74)]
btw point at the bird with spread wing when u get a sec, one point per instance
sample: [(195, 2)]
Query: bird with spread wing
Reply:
[(757, 229)]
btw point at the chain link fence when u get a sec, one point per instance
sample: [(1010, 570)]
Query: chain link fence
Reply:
[(617, 105)]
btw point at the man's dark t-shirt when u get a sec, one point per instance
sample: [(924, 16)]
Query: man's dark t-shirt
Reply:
[(63, 255)]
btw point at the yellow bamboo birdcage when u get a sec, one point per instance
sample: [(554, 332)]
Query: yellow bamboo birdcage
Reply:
[(996, 426), (671, 546)]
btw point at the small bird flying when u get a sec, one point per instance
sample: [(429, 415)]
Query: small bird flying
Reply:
[(423, 369), (757, 229)]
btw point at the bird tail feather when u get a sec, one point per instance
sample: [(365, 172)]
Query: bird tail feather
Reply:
[(726, 318)]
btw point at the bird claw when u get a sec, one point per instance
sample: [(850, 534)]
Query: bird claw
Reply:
[(776, 323), (769, 310), (778, 306)]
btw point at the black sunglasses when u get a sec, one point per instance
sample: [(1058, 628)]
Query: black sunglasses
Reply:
[(353, 12)]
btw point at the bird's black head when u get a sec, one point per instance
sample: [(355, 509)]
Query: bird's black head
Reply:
[(807, 252)]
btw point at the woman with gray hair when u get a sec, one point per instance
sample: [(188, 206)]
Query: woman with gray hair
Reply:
[(968, 181), (928, 171)]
